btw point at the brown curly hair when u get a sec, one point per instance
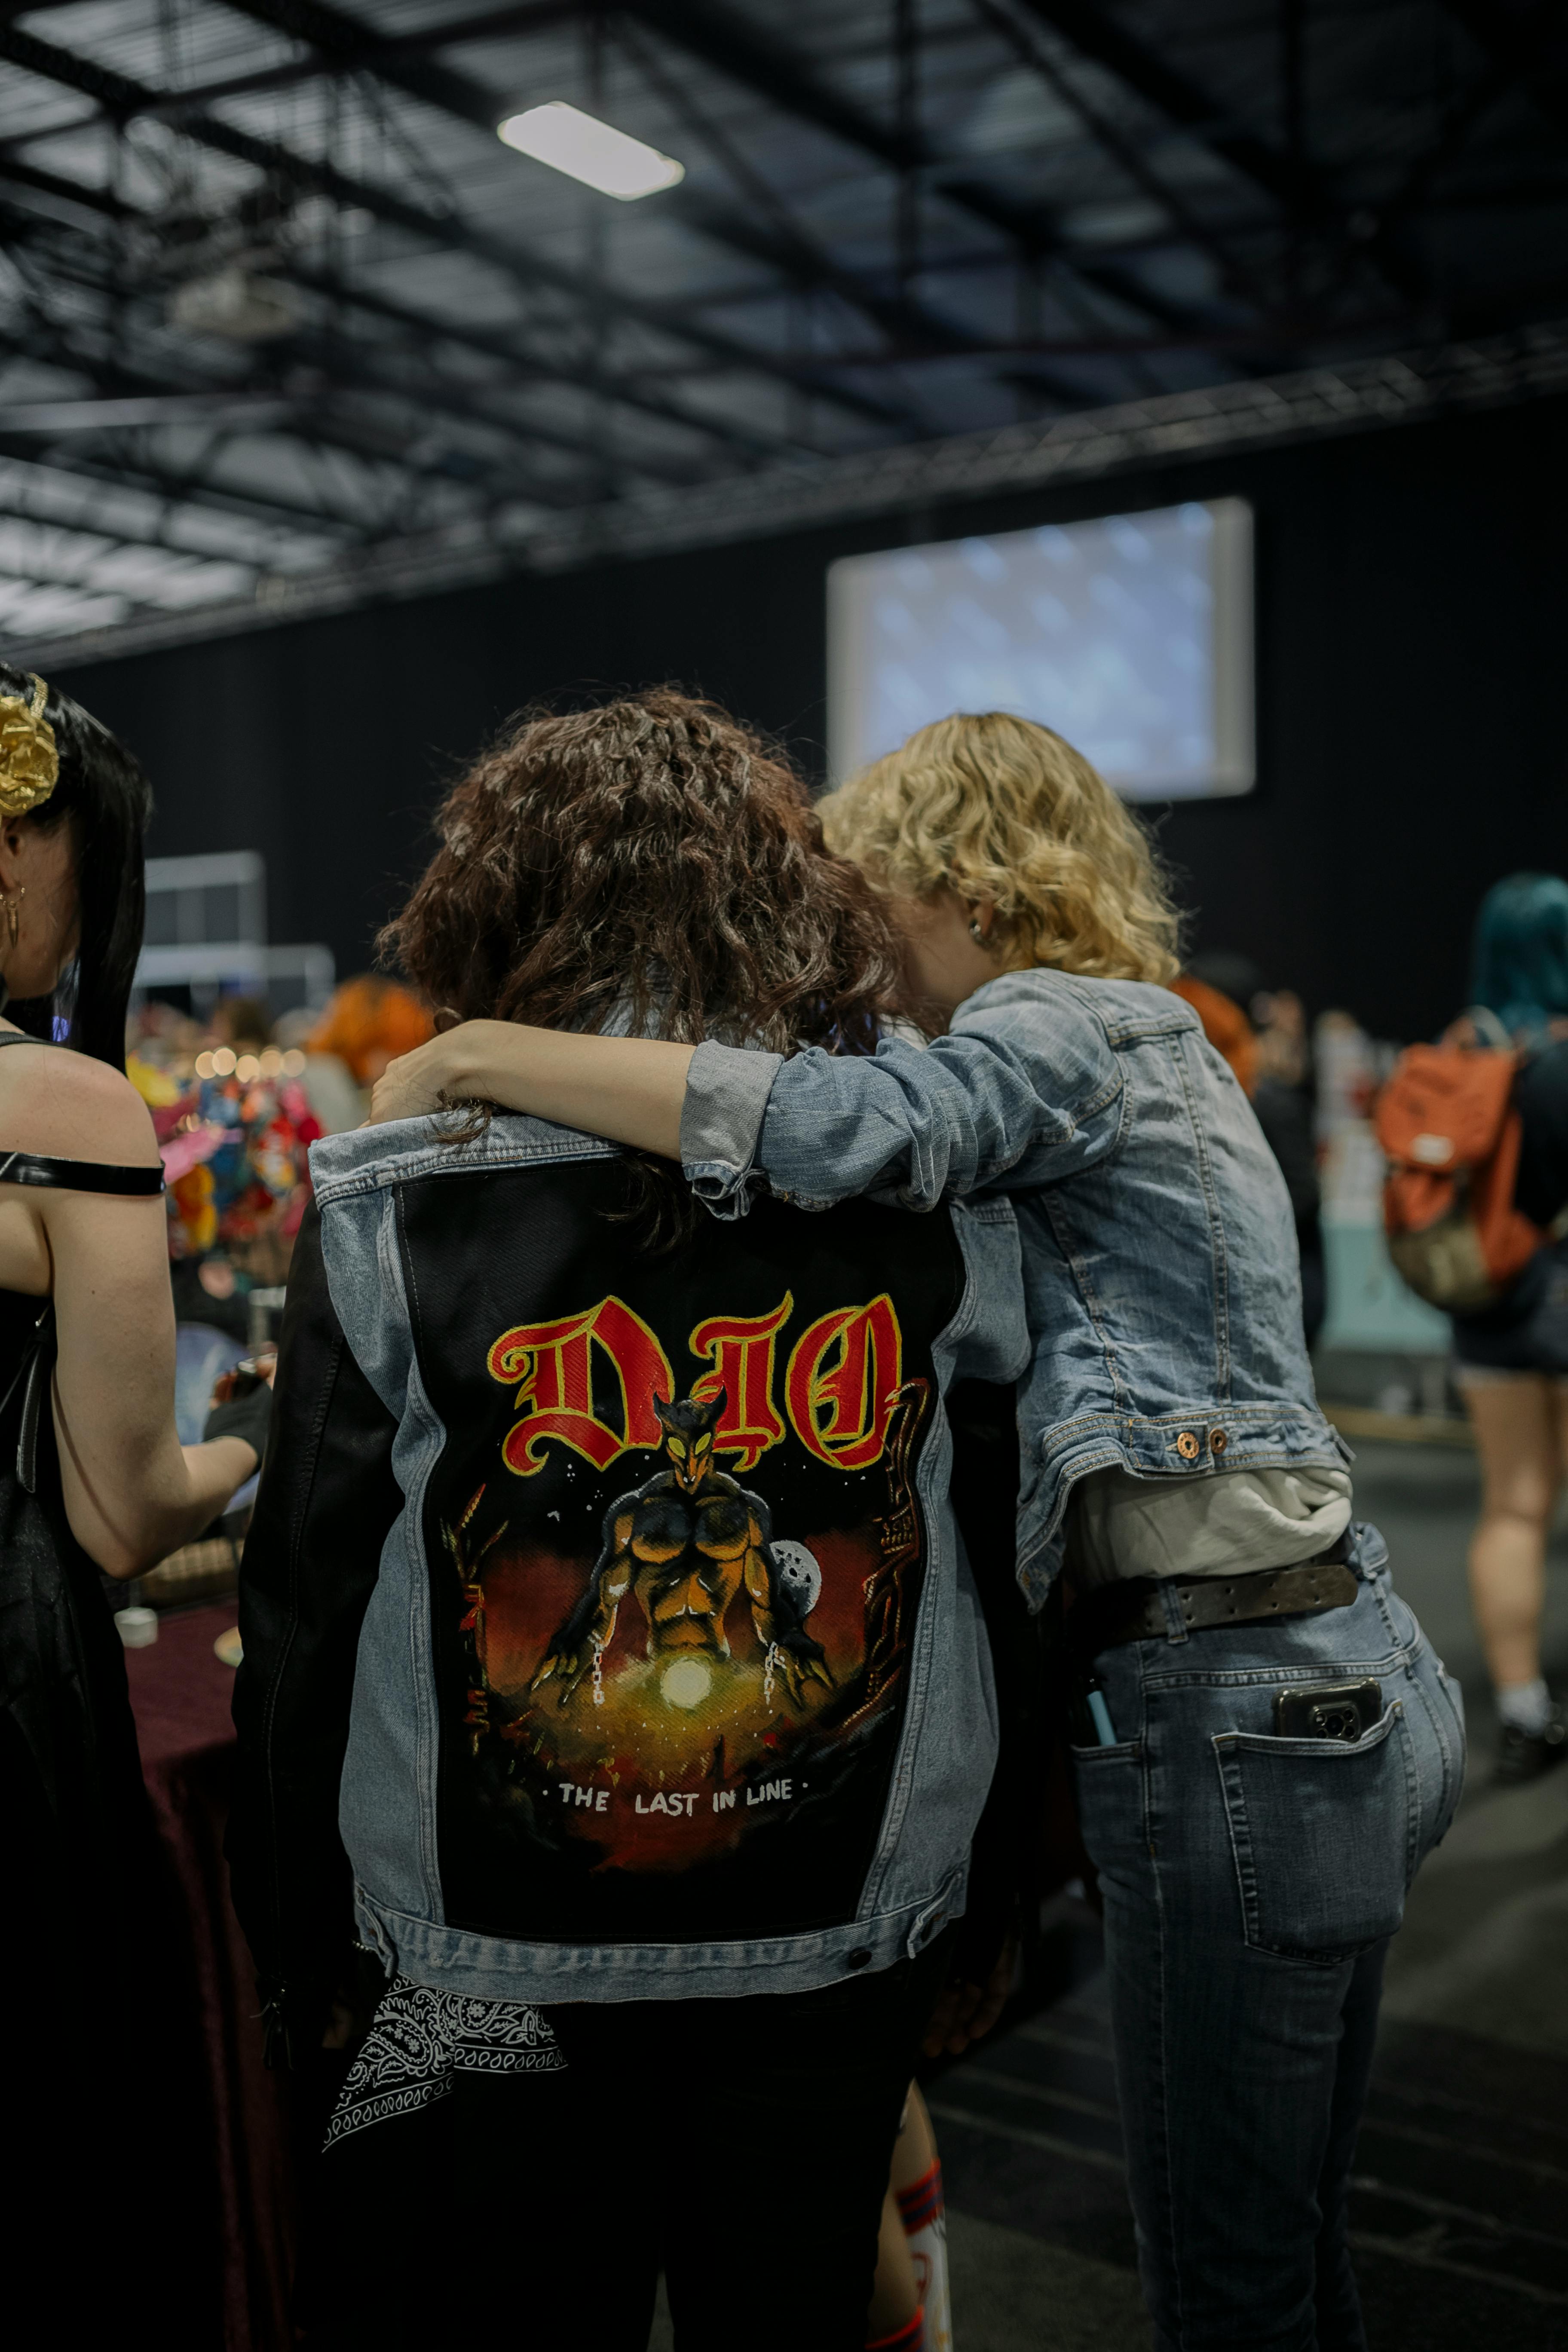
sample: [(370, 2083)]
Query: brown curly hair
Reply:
[(653, 854)]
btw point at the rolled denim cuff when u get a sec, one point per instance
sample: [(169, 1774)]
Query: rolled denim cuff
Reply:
[(727, 1090)]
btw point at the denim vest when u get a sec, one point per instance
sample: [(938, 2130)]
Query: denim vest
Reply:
[(1160, 1266), (669, 1677)]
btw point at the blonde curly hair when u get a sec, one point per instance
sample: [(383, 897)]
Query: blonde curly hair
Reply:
[(997, 807)]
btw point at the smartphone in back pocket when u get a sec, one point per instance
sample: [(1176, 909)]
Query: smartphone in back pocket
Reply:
[(1333, 1711)]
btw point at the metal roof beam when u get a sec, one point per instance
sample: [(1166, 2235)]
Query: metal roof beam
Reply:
[(1510, 61), (1361, 395), (367, 51), (376, 305), (97, 546), (1523, 42), (418, 323), (182, 489), (1301, 191), (1098, 36), (124, 99), (908, 324), (742, 54), (441, 397), (114, 378), (69, 191), (787, 247), (15, 506), (735, 48), (311, 422), (344, 44), (338, 39), (1123, 152)]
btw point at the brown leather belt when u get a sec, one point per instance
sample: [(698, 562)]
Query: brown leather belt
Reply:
[(1135, 1610)]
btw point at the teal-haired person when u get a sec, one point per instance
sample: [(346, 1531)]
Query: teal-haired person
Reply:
[(1512, 1359)]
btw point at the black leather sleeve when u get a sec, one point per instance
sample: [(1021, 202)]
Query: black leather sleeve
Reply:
[(1004, 1880), (327, 1499)]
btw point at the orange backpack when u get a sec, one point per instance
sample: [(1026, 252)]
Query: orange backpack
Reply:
[(1447, 1125)]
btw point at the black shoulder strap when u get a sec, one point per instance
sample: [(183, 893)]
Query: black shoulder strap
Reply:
[(78, 1175), (71, 1175)]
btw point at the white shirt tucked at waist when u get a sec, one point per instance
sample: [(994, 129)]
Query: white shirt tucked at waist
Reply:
[(1229, 1525)]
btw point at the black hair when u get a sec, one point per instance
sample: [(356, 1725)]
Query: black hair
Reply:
[(105, 795)]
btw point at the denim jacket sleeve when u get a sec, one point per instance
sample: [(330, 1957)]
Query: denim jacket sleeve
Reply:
[(1026, 1084)]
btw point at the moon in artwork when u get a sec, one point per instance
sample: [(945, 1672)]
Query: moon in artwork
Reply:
[(800, 1574), (687, 1683)]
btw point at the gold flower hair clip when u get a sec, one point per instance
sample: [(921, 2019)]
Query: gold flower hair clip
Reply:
[(29, 762)]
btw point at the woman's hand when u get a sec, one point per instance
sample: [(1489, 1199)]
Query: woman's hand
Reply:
[(629, 1088), (415, 1083)]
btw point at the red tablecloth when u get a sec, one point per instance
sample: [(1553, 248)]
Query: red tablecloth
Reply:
[(180, 1693)]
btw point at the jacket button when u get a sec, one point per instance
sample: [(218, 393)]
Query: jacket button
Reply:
[(1187, 1445), (1218, 1441), (860, 1960)]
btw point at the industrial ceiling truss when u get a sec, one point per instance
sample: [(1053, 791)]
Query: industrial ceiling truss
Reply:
[(282, 320)]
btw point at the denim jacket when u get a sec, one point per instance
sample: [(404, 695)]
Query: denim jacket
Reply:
[(1160, 1262), (605, 1618)]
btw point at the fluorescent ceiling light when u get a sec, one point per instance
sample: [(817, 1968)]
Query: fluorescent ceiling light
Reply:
[(589, 151)]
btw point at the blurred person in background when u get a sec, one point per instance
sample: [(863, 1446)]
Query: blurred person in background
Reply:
[(242, 1022), (1512, 1358), (93, 1478), (1262, 1033), (367, 1023)]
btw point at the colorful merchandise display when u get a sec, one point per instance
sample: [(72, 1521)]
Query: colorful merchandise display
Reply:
[(234, 1132)]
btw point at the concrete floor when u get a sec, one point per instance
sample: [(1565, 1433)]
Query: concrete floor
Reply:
[(1461, 2210)]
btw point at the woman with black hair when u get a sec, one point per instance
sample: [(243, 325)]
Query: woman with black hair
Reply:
[(93, 1473)]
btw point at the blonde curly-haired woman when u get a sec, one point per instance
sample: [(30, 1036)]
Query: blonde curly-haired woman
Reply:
[(1265, 1745)]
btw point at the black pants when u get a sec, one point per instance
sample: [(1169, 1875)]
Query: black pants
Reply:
[(740, 2146)]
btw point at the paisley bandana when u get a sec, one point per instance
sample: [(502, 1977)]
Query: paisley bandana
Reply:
[(420, 2039)]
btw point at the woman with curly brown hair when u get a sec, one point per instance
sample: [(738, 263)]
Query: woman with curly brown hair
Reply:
[(613, 1669), (1266, 1744)]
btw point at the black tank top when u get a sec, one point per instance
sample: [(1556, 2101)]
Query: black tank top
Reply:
[(72, 1809), (80, 1870)]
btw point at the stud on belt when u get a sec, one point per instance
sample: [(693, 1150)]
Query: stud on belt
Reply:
[(1135, 1610)]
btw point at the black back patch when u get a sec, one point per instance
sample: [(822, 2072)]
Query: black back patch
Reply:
[(675, 1550)]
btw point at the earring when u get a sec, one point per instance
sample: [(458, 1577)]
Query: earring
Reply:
[(976, 934), (14, 915)]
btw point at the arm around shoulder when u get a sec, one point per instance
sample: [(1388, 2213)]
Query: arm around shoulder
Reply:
[(1012, 1092)]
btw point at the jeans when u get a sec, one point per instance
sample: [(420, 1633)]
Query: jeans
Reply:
[(743, 2145), (1251, 1886)]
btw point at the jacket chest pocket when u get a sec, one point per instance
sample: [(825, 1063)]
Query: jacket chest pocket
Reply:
[(1323, 1834)]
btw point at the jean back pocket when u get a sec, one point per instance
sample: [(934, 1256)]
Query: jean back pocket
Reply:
[(1323, 1834)]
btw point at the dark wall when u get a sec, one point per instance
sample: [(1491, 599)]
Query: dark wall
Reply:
[(1411, 718)]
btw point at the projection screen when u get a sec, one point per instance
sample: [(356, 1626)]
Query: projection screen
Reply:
[(1131, 635)]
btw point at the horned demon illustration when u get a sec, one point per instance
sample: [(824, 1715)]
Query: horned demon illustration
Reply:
[(684, 1543)]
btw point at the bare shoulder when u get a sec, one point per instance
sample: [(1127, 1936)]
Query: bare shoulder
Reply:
[(66, 1105)]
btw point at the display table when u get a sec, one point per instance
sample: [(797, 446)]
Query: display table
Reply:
[(180, 1693)]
